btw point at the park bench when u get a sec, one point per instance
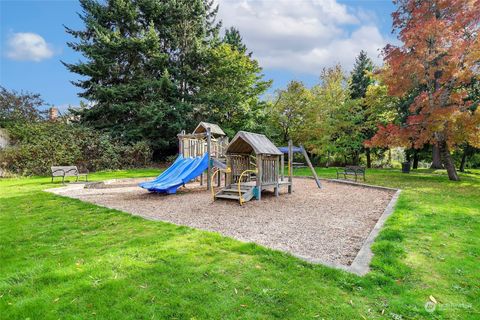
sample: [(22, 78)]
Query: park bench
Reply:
[(297, 165), (352, 171), (67, 171)]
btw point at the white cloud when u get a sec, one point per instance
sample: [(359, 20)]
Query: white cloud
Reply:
[(27, 46), (303, 35)]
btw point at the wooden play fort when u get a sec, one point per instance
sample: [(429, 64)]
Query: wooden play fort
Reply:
[(249, 164), (207, 138), (253, 164)]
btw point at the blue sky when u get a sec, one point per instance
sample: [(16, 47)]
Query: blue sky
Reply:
[(292, 39)]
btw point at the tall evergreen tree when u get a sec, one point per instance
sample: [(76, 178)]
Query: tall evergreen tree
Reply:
[(359, 82), (360, 79), (143, 62), (233, 38)]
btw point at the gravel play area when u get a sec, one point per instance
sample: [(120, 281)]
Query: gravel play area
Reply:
[(328, 225)]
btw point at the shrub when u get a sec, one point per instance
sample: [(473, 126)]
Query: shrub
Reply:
[(37, 146), (138, 154)]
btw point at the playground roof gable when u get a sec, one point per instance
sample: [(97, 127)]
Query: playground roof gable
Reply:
[(214, 128), (246, 142)]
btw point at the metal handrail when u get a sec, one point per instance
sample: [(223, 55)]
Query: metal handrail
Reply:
[(227, 170), (240, 198)]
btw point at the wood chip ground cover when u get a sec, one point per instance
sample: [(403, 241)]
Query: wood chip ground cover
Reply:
[(327, 225)]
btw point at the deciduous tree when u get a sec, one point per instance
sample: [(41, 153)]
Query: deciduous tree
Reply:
[(290, 108), (19, 107), (331, 123), (230, 90), (440, 53)]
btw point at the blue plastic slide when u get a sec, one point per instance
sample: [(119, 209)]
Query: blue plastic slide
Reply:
[(179, 173)]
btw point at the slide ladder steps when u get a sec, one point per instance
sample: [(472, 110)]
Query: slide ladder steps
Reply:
[(231, 193)]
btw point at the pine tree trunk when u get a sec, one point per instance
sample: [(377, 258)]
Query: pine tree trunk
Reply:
[(447, 160), (415, 159), (369, 160), (436, 158), (464, 161)]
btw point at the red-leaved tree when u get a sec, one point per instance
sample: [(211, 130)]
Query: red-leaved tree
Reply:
[(439, 56)]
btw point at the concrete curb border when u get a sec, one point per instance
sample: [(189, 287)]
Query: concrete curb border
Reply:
[(359, 184), (350, 182), (361, 264)]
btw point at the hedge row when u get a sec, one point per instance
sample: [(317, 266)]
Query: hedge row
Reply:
[(38, 146)]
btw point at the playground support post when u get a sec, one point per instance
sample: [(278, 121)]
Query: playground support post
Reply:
[(209, 170), (319, 185), (290, 165), (277, 177), (180, 144), (259, 177), (228, 176)]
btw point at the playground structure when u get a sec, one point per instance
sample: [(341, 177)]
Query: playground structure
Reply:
[(207, 137), (254, 164), (250, 163), (199, 151)]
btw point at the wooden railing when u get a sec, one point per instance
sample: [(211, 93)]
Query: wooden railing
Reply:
[(270, 169)]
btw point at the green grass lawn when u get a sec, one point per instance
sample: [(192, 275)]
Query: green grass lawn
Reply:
[(61, 258)]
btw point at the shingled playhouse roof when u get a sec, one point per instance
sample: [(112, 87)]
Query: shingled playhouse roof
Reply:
[(214, 128), (246, 142)]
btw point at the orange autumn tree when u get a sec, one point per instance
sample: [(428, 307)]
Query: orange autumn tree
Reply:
[(439, 57)]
